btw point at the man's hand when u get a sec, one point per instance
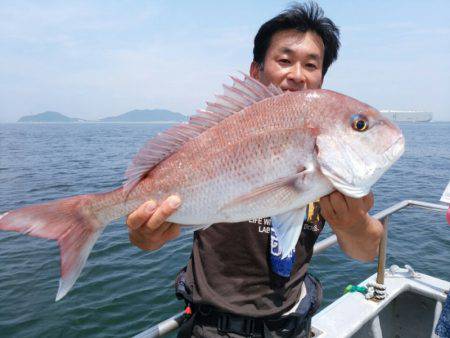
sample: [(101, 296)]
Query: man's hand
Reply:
[(358, 234), (147, 226), (343, 212)]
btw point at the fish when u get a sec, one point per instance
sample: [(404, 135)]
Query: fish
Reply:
[(255, 151)]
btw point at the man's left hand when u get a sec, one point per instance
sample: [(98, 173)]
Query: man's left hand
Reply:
[(358, 234), (343, 212)]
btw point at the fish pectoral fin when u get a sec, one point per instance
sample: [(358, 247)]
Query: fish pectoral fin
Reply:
[(284, 185), (287, 228)]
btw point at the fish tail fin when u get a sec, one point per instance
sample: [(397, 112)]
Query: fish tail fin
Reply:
[(73, 222)]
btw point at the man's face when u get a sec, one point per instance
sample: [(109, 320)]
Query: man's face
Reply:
[(293, 61)]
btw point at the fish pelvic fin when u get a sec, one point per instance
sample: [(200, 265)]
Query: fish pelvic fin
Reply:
[(243, 93), (73, 222)]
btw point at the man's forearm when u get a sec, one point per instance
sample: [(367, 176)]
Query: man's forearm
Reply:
[(362, 240)]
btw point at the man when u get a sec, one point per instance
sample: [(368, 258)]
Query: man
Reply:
[(234, 279)]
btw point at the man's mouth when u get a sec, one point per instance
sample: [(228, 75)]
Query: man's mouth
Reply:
[(290, 89)]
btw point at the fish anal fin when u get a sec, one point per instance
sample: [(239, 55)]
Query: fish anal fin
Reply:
[(287, 227)]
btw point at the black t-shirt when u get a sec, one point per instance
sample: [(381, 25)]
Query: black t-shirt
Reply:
[(230, 268)]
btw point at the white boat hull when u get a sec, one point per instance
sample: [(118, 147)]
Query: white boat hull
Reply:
[(411, 309)]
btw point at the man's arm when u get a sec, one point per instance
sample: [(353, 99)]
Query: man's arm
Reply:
[(358, 233), (147, 226)]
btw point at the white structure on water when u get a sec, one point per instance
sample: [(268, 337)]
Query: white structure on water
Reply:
[(408, 115)]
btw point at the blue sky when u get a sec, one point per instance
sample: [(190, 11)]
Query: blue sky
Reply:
[(94, 59)]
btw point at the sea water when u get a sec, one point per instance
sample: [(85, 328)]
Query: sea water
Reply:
[(123, 290)]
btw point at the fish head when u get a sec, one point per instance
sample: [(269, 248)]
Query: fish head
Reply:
[(357, 145)]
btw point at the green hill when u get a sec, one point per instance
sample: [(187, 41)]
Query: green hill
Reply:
[(48, 116)]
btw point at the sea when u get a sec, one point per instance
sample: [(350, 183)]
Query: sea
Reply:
[(124, 290)]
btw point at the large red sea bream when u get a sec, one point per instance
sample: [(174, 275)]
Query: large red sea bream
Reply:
[(255, 152)]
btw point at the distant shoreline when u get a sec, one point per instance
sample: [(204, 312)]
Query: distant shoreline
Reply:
[(97, 122), (154, 116), (166, 122)]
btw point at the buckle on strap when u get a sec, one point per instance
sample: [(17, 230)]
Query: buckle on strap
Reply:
[(227, 323)]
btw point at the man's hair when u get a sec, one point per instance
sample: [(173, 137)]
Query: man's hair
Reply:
[(303, 18)]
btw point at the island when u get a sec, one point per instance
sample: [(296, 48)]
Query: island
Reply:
[(133, 116), (147, 115), (49, 116)]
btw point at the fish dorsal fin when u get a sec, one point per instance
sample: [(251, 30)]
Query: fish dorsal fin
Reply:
[(241, 94)]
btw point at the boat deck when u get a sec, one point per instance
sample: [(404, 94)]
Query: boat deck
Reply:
[(411, 308)]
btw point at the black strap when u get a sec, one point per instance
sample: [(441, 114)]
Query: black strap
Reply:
[(230, 323), (292, 326), (249, 326), (186, 328), (244, 326)]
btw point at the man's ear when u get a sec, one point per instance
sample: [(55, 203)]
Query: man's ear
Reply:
[(255, 68)]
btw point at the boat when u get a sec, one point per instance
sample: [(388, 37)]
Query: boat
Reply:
[(411, 308), (398, 302), (407, 115)]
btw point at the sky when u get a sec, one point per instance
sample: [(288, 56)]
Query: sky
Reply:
[(92, 59)]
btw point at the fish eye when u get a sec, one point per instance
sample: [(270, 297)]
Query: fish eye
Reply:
[(359, 122)]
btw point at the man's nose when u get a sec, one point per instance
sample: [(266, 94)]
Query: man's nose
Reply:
[(296, 73)]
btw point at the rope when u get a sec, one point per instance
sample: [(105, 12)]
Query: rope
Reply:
[(375, 290), (371, 290)]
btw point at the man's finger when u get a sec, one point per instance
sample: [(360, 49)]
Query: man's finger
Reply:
[(138, 217), (368, 201), (172, 232), (338, 203), (138, 239), (326, 208), (161, 229), (167, 208), (355, 204)]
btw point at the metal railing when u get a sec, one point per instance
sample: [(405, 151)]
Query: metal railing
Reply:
[(174, 322)]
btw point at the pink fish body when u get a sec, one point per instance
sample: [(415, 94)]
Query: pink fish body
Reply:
[(256, 152)]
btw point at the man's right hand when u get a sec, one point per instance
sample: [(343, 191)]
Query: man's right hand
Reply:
[(147, 226)]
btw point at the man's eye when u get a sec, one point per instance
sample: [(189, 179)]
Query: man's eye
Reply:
[(311, 66), (284, 61)]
